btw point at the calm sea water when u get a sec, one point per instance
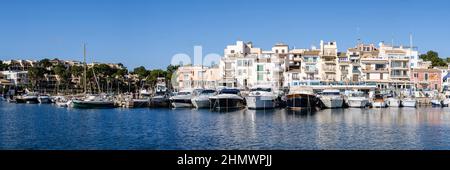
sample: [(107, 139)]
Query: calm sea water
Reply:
[(44, 126)]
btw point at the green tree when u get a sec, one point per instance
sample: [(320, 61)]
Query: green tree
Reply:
[(153, 76), (434, 58), (35, 74), (3, 66), (171, 69), (63, 73), (141, 72)]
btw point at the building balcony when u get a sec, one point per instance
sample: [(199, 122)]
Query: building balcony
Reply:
[(356, 72), (296, 59), (399, 76), (329, 62), (374, 60), (344, 62), (399, 68), (312, 71), (329, 54), (329, 70), (379, 70)]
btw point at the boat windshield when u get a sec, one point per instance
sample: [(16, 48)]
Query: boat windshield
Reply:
[(357, 95), (262, 89), (208, 92), (184, 93), (229, 91), (330, 93)]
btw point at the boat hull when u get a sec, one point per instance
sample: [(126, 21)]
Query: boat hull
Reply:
[(358, 103), (409, 103), (92, 104), (379, 104), (27, 100), (159, 102), (226, 103), (260, 102), (332, 102), (436, 103), (394, 102), (301, 101), (44, 100), (181, 103), (201, 103)]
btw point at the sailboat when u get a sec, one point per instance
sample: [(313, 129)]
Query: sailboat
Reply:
[(91, 100)]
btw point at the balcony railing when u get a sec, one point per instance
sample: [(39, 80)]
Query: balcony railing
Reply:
[(356, 71), (399, 76)]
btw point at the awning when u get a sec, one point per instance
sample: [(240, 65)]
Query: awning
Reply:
[(5, 82), (446, 77)]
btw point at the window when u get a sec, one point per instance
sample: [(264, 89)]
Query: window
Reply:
[(239, 72), (282, 51), (416, 75), (295, 76), (232, 51), (260, 76), (435, 86), (426, 76), (276, 51), (368, 76), (260, 68), (239, 63)]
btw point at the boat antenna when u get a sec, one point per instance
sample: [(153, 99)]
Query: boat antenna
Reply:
[(358, 35)]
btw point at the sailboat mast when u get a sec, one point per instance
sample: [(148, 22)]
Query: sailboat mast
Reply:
[(85, 67), (203, 82)]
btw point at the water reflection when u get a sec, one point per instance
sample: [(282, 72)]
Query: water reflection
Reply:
[(49, 127)]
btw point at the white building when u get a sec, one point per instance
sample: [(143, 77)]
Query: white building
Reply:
[(16, 77)]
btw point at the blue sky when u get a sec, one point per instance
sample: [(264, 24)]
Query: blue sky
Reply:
[(149, 33)]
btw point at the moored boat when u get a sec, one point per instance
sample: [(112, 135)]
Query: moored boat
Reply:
[(160, 97), (44, 99), (357, 99), (227, 99), (93, 102), (31, 98), (300, 98), (379, 101), (409, 102), (261, 97), (331, 98), (202, 99), (182, 99), (393, 102)]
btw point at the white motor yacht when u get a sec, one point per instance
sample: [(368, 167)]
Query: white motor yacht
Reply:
[(227, 99), (261, 97), (182, 99), (357, 99), (332, 98), (202, 99), (409, 102)]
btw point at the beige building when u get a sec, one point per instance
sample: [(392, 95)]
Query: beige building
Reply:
[(194, 77), (328, 57)]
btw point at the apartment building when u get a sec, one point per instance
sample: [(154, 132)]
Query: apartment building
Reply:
[(17, 78), (328, 56), (429, 79), (193, 77)]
